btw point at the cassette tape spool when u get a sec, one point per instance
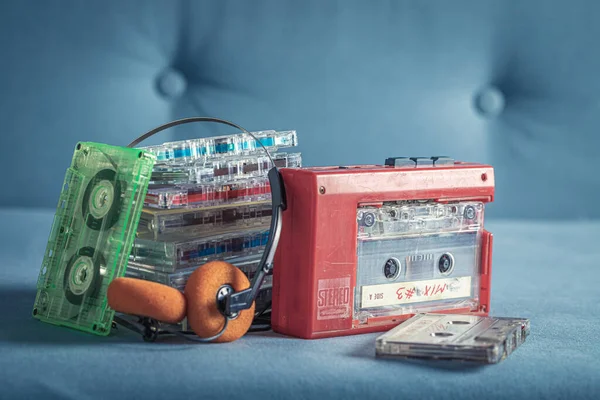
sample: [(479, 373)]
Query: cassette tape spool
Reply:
[(222, 169), (417, 258), (181, 251), (469, 338), (158, 224), (208, 194), (92, 233), (227, 145)]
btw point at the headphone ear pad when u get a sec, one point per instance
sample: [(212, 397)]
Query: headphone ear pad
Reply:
[(203, 314), (147, 299)]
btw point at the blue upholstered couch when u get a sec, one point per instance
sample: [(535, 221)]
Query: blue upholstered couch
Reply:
[(511, 83)]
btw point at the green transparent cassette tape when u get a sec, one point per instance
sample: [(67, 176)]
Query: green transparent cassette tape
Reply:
[(92, 234)]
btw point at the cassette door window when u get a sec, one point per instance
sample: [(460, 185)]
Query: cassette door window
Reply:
[(417, 258)]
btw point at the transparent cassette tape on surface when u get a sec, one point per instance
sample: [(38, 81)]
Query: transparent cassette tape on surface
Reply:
[(487, 340)]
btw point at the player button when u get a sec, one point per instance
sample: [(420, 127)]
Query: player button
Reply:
[(422, 161), (400, 162), (438, 161)]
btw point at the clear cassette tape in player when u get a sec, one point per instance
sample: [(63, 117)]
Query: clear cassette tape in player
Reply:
[(417, 258)]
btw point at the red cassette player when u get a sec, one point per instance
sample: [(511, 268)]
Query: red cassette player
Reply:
[(366, 247)]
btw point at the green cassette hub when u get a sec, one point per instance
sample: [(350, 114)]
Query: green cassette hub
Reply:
[(92, 235)]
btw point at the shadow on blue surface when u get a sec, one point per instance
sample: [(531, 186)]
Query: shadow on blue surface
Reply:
[(19, 326), (441, 365), (366, 351)]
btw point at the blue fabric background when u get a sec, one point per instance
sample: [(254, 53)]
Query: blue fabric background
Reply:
[(510, 83), (542, 271)]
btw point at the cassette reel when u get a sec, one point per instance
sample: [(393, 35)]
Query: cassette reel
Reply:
[(92, 234)]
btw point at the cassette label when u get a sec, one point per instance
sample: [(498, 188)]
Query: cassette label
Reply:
[(333, 299), (414, 292)]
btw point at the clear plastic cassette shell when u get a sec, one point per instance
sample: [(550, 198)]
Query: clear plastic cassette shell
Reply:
[(227, 145), (92, 232), (417, 258), (487, 340), (182, 251), (208, 194), (223, 169), (178, 279), (405, 219), (262, 303), (158, 224)]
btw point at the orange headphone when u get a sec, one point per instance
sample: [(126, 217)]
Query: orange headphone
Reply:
[(218, 300)]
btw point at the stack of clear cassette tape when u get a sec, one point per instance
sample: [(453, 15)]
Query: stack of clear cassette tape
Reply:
[(209, 199)]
